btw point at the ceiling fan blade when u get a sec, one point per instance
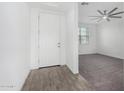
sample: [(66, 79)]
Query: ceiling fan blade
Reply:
[(115, 16), (99, 20), (100, 12), (113, 10), (95, 16), (108, 19), (117, 13), (105, 12)]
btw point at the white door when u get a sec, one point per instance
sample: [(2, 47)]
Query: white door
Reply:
[(49, 25)]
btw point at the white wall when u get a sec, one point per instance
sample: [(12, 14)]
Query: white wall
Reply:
[(72, 38), (14, 45), (111, 37), (34, 38), (89, 48)]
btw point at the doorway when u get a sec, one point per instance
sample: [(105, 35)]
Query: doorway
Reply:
[(49, 39)]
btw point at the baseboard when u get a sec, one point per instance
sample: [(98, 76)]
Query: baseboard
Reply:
[(104, 55), (48, 66), (87, 53), (110, 55)]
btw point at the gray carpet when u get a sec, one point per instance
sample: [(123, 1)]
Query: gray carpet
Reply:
[(103, 72)]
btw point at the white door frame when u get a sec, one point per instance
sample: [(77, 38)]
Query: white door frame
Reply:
[(61, 48), (35, 12), (59, 63)]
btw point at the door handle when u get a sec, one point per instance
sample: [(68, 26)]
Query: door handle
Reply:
[(59, 44)]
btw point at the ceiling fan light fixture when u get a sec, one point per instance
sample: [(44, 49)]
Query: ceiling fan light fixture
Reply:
[(104, 17)]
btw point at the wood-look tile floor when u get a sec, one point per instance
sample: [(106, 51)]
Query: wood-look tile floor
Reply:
[(103, 72), (57, 78)]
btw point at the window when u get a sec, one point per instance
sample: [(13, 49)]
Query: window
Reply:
[(83, 35)]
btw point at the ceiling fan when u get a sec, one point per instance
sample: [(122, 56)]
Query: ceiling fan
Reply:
[(105, 15)]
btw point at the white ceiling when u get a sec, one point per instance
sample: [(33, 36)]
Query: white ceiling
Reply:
[(59, 6), (91, 10)]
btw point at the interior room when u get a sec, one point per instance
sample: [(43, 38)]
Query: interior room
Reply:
[(100, 44), (61, 46), (39, 46)]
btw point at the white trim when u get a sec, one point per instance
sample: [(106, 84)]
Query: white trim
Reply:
[(38, 46), (38, 33), (34, 37)]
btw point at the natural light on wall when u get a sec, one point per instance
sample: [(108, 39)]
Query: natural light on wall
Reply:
[(83, 35)]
